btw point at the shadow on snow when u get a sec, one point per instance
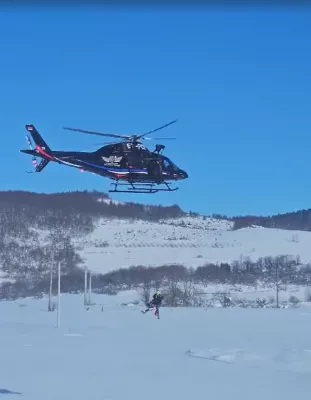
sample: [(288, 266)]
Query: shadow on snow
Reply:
[(6, 391)]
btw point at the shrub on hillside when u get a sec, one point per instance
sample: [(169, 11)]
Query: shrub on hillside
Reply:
[(308, 294), (146, 293), (294, 301)]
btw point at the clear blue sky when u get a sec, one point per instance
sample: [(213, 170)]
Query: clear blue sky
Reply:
[(239, 82)]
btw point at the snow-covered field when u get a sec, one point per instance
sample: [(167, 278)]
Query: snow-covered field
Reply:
[(118, 353), (191, 241)]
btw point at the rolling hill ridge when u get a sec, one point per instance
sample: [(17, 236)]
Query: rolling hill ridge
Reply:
[(89, 229)]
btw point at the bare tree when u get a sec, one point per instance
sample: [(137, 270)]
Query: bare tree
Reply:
[(294, 301), (173, 294), (157, 284), (146, 291), (190, 292), (308, 294)]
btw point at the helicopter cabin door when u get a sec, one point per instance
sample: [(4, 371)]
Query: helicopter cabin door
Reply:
[(135, 154)]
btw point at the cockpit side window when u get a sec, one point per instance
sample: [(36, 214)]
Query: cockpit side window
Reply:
[(174, 166), (168, 164)]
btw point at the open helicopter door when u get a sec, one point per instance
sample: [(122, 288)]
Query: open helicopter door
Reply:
[(155, 171)]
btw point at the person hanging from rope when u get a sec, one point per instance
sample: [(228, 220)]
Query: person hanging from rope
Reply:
[(156, 302)]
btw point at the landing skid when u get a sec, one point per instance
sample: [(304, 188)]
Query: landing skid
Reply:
[(141, 188)]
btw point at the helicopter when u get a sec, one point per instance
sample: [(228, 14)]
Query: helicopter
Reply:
[(127, 162)]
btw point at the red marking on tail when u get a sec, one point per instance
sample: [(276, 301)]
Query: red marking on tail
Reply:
[(38, 148)]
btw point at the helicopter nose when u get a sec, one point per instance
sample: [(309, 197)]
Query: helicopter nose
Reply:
[(183, 174)]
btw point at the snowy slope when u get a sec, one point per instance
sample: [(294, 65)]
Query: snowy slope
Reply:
[(191, 241), (117, 354)]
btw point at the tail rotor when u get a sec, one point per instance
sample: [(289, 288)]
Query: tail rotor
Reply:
[(34, 159), (39, 150)]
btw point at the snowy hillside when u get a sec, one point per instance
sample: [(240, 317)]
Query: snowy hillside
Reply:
[(118, 353), (89, 229), (189, 241)]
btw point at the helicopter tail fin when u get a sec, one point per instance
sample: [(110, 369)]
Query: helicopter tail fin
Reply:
[(37, 138), (41, 149), (41, 146)]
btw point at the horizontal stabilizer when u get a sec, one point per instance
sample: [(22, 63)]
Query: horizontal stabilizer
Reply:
[(31, 152)]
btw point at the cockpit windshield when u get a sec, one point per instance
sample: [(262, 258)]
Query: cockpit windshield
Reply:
[(168, 164)]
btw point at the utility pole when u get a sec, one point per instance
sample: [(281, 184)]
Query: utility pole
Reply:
[(85, 286), (58, 299), (90, 286), (51, 282), (277, 284)]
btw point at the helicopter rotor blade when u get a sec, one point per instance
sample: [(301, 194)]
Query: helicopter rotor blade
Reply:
[(159, 138), (104, 143), (96, 133), (128, 137), (157, 129)]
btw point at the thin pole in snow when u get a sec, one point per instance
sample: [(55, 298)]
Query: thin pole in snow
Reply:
[(51, 282), (277, 285), (58, 299), (85, 286), (90, 286)]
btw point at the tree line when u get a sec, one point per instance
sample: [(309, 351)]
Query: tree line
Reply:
[(80, 208), (79, 205), (266, 270), (298, 220)]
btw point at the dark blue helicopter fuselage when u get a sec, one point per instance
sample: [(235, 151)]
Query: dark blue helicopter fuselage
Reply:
[(125, 161)]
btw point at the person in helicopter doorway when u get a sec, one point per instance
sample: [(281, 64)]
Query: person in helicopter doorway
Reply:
[(156, 302)]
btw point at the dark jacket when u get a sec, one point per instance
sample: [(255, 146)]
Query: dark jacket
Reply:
[(157, 299)]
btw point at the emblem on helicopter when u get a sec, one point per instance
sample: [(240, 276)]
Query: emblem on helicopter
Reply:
[(112, 160)]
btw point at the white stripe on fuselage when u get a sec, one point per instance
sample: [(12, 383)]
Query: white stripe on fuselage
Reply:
[(68, 163), (108, 170)]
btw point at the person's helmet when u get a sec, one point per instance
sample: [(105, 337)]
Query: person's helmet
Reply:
[(158, 293)]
